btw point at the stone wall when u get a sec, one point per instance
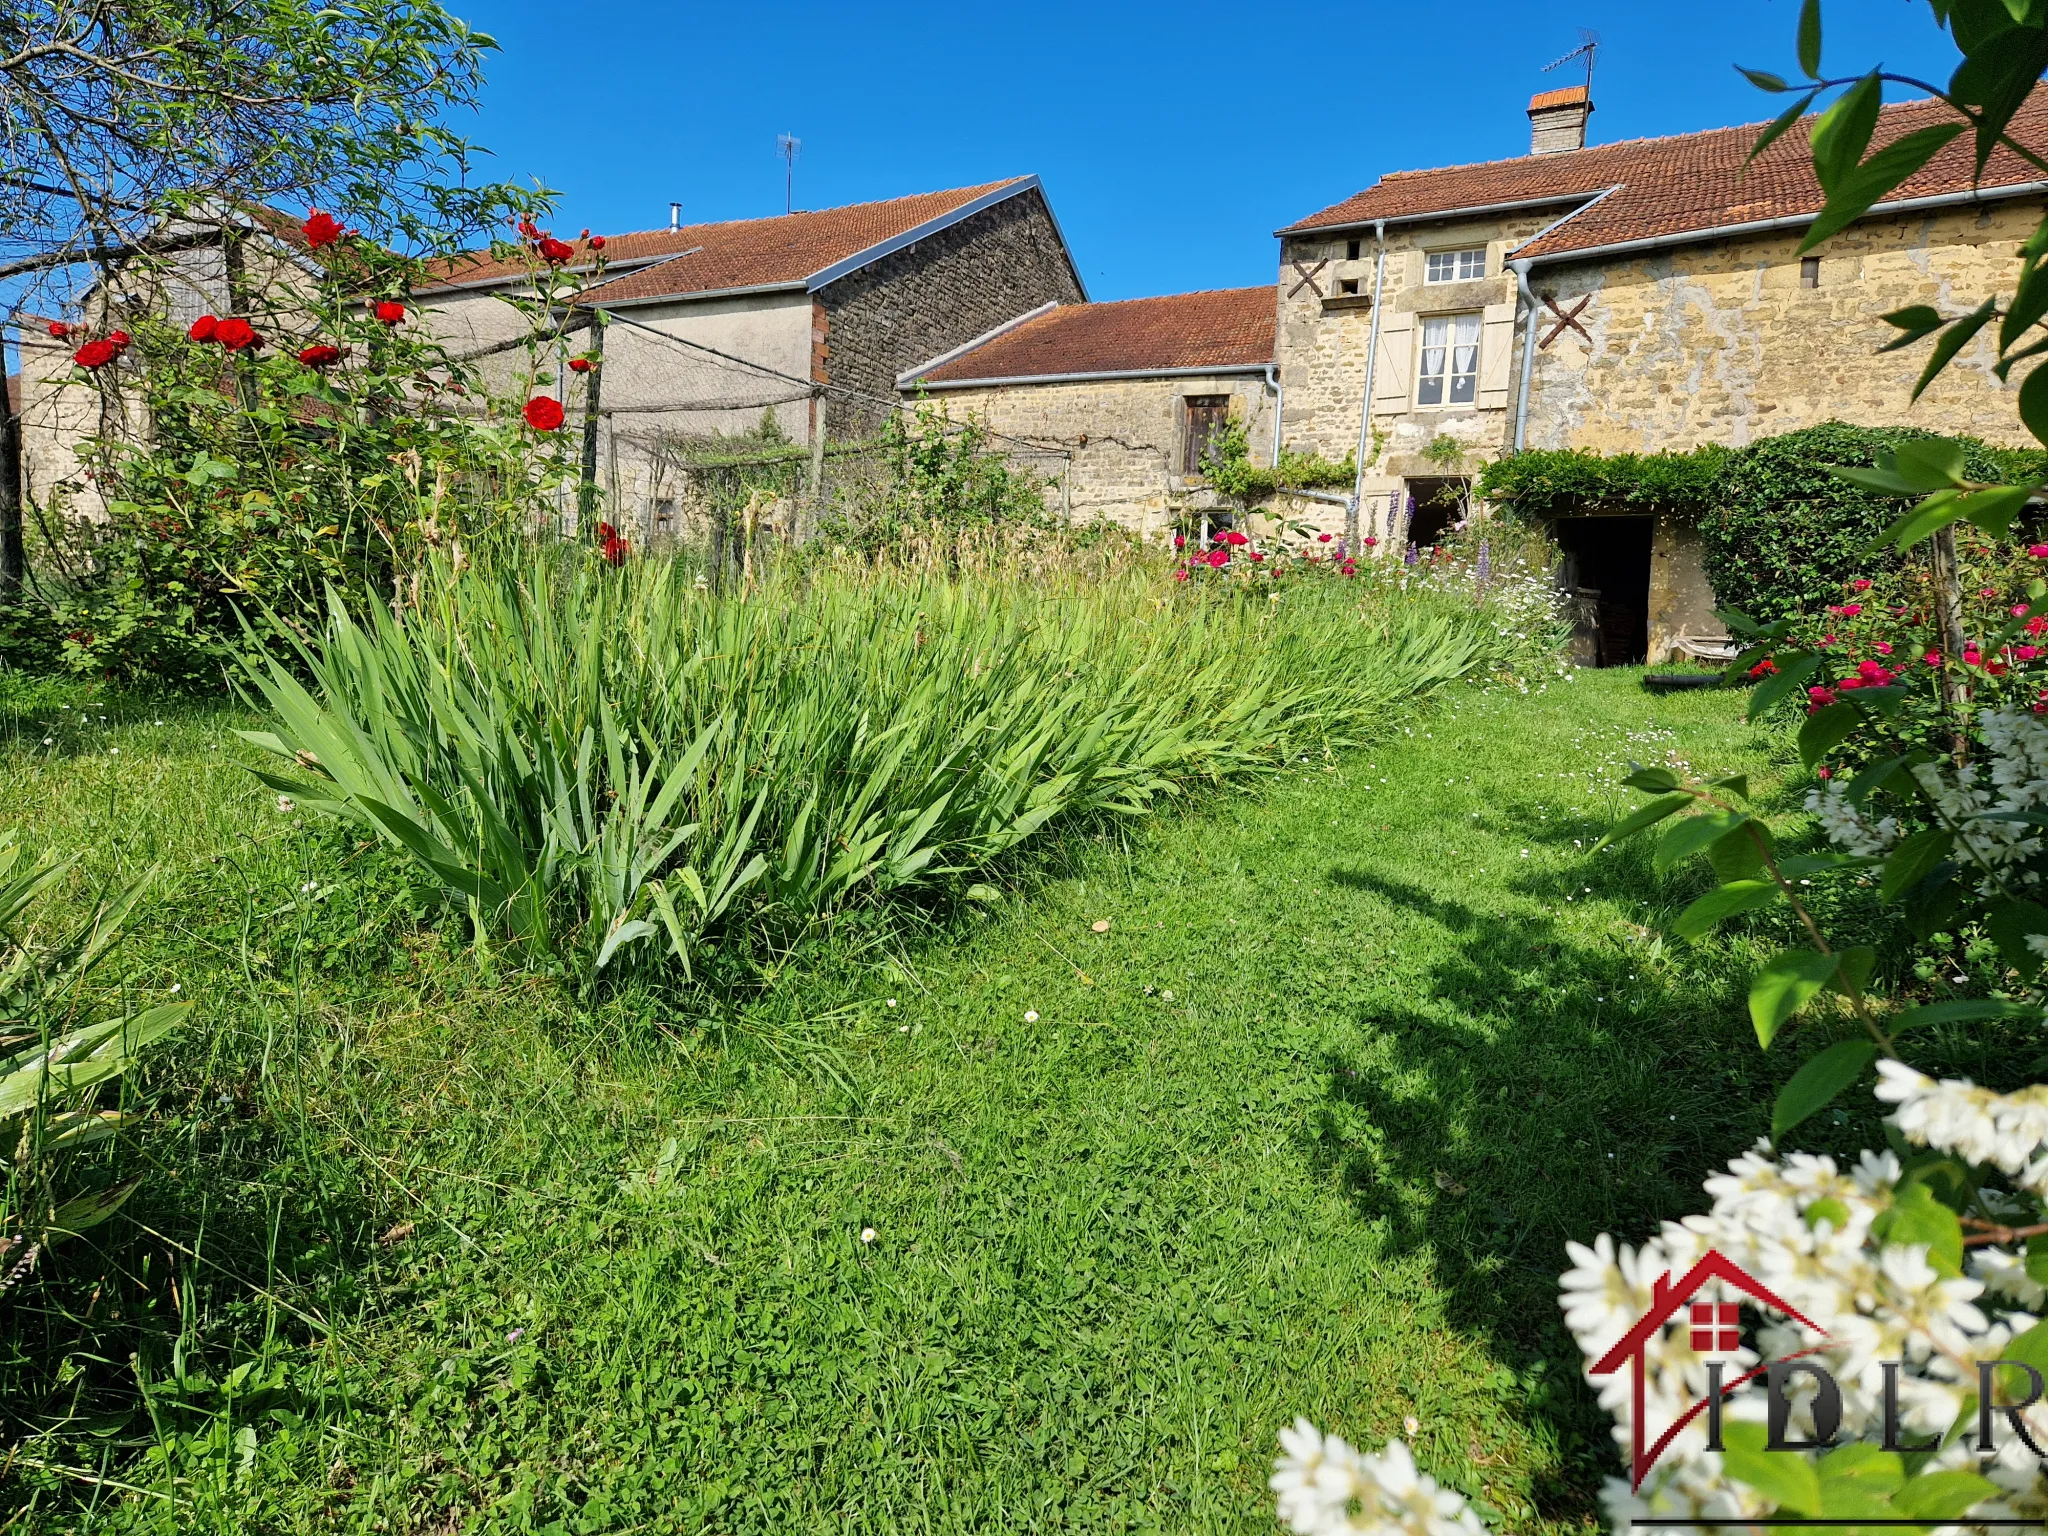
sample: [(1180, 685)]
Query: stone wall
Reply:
[(1125, 438), (1721, 343), (931, 297)]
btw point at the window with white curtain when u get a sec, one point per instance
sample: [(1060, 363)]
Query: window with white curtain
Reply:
[(1455, 266), (1449, 374)]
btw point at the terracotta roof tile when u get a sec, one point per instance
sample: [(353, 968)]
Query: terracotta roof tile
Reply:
[(1675, 186), (1219, 328), (1570, 96), (742, 253)]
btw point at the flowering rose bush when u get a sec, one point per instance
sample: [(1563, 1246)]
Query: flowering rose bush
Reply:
[(1911, 1258)]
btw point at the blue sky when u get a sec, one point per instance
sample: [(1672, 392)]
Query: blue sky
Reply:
[(1173, 138)]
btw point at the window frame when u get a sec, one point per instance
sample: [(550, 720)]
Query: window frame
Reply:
[(1447, 380), (1192, 441), (1458, 264)]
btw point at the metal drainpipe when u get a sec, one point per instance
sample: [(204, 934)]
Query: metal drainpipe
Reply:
[(1372, 360), (1279, 407), (1521, 270)]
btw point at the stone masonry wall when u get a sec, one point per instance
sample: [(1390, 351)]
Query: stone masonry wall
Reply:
[(1125, 438), (1722, 344), (933, 296)]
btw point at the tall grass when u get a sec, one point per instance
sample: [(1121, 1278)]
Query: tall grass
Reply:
[(615, 766)]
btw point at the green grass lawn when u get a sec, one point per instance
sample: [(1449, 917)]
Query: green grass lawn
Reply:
[(1003, 1225)]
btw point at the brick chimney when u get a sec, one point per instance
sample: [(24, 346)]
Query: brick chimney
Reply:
[(1557, 120)]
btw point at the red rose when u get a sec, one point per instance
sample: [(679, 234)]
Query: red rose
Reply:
[(1257, 556), (320, 230), (614, 550), (606, 533), (1233, 537), (1932, 658), (527, 228), (579, 365), (1217, 558), (203, 328), (96, 354), (120, 339), (1323, 538), (1861, 583), (553, 251), (390, 311), (1180, 541), (59, 329), (320, 356), (1350, 570), (237, 335), (2038, 551), (596, 242), (1821, 697), (543, 413), (1181, 574), (1763, 667), (1370, 542)]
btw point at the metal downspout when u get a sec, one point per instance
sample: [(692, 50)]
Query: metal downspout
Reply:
[(1521, 269), (1279, 407), (1372, 360)]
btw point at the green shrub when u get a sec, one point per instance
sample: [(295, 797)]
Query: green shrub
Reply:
[(1786, 532), (1547, 482)]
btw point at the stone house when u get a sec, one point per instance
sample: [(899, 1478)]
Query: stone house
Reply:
[(810, 316), (1130, 393), (1643, 296)]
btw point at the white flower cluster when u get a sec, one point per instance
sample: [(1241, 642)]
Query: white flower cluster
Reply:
[(2006, 1131), (1805, 1229), (2012, 778), (1327, 1488), (1847, 827)]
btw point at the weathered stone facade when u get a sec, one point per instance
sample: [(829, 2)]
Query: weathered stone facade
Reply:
[(1125, 439), (933, 296)]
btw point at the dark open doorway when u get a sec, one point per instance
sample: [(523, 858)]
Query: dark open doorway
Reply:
[(1433, 506), (1607, 569)]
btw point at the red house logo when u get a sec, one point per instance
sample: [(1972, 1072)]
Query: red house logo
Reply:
[(1716, 1329)]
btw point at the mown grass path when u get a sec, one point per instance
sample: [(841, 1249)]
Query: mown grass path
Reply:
[(1303, 1131)]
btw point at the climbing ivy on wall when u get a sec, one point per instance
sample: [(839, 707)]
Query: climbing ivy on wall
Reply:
[(1780, 530)]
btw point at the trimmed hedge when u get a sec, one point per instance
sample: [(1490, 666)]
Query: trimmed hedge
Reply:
[(1781, 533)]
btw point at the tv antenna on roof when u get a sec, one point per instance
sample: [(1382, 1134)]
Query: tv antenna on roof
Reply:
[(1589, 44), (787, 145)]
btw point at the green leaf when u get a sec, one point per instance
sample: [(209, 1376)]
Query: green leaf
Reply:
[(1942, 1495), (1965, 1011), (1793, 671), (1957, 337), (1825, 730), (1925, 520), (1929, 463), (2029, 304), (1789, 1482), (1995, 509), (1881, 478), (1792, 979), (1874, 778), (2034, 403), (1916, 1218), (2029, 1348), (1692, 835), (1814, 1086), (1763, 79), (1915, 321), (1779, 124), (1736, 856), (2037, 1258), (1722, 903), (1856, 191), (1909, 863), (1857, 962), (1809, 38), (1656, 781), (2010, 924), (1842, 133), (1645, 816)]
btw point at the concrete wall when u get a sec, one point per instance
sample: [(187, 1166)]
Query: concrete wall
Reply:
[(931, 297), (1125, 436)]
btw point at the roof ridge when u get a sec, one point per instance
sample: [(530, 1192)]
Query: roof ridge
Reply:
[(1154, 298), (807, 213), (1564, 156)]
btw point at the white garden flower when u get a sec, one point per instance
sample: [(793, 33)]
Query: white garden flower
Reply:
[(1327, 1488)]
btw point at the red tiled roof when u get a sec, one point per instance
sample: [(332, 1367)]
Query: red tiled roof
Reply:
[(1219, 328), (1570, 96), (742, 253), (1679, 185)]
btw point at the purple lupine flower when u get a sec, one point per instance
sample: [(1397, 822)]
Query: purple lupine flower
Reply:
[(1411, 556), (1485, 562)]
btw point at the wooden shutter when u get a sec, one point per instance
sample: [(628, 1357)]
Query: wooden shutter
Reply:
[(1206, 415)]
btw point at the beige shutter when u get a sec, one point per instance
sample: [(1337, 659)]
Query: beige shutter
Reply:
[(1496, 350), (1396, 366)]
